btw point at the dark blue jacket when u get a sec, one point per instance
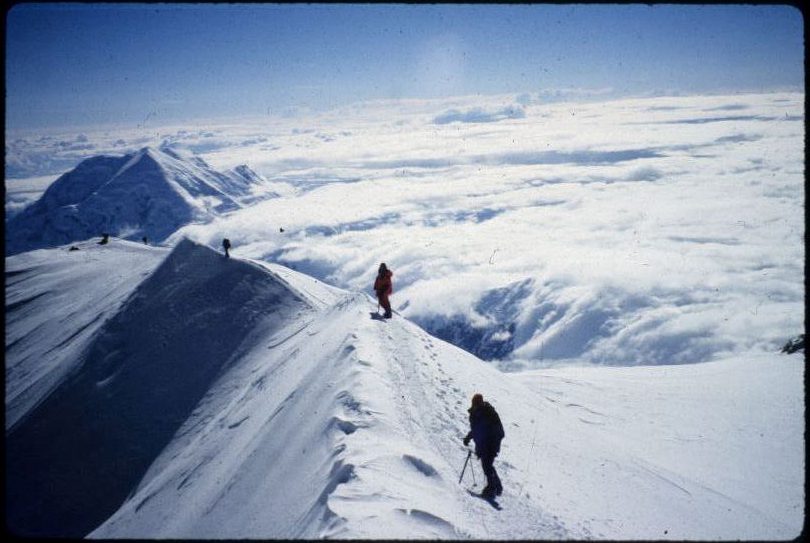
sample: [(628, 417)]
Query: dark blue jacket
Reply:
[(485, 429)]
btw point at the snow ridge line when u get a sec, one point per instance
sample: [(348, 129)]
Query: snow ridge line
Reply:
[(410, 398)]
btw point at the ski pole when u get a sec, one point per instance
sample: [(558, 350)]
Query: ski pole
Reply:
[(469, 452)]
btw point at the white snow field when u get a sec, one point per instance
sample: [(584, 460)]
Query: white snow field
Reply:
[(174, 393)]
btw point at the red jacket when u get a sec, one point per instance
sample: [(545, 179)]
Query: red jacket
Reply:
[(383, 285)]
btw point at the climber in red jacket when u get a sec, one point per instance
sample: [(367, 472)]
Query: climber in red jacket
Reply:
[(383, 287)]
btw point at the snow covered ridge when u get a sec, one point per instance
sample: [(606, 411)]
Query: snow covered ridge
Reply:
[(132, 384), (225, 398), (151, 193)]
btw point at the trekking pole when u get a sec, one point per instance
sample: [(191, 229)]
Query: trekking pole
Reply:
[(469, 452)]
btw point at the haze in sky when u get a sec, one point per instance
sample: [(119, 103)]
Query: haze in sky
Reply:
[(82, 64)]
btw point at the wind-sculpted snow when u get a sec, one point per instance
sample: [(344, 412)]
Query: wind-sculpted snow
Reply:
[(56, 302), (74, 458), (237, 399), (149, 193)]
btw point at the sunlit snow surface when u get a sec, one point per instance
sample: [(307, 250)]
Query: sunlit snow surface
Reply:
[(230, 398), (643, 231)]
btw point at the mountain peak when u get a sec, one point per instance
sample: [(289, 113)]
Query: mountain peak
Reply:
[(147, 157), (151, 192)]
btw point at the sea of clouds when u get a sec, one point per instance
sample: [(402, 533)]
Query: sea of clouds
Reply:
[(652, 230)]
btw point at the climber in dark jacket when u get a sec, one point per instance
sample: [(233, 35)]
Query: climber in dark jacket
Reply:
[(383, 287), (487, 432)]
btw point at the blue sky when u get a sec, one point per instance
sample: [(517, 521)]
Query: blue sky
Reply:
[(88, 64)]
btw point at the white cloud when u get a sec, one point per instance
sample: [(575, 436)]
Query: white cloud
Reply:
[(640, 232), (480, 115)]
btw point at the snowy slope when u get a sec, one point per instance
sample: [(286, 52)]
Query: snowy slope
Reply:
[(136, 381), (149, 193), (239, 399), (56, 302), (717, 447)]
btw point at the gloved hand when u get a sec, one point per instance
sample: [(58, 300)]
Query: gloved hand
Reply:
[(466, 441)]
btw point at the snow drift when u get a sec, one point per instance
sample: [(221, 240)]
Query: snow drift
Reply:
[(222, 398), (56, 302), (151, 193), (133, 385)]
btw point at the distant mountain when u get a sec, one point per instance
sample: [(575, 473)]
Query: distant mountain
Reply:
[(157, 393), (151, 193)]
